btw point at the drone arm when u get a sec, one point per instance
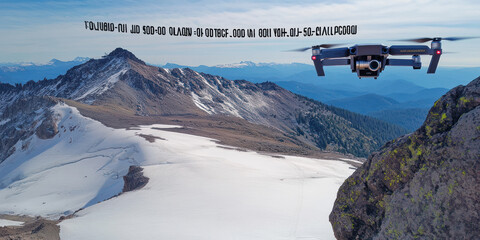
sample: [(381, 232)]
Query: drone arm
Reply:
[(321, 57), (409, 50), (319, 63), (336, 62), (334, 53), (434, 62), (319, 67), (403, 62)]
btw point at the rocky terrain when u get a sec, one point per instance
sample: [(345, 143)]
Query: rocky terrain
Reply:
[(38, 228), (421, 186), (33, 228), (24, 118)]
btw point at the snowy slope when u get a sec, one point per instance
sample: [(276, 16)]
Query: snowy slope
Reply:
[(197, 189), (213, 199), (83, 164), (200, 191)]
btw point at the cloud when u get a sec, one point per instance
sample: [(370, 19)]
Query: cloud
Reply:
[(43, 27)]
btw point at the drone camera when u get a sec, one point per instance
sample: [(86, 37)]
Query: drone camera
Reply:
[(384, 50), (372, 65), (353, 51)]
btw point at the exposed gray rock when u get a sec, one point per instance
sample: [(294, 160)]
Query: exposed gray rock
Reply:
[(24, 118), (134, 179), (48, 128), (424, 185)]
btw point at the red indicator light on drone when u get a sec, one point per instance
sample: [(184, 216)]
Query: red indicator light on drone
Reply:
[(439, 52), (314, 57)]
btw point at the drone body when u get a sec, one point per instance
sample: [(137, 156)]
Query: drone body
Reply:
[(370, 60)]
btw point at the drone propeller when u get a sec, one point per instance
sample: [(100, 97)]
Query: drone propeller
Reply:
[(317, 46), (457, 38), (449, 52), (424, 40)]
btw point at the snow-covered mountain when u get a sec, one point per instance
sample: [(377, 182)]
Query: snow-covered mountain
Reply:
[(81, 164), (197, 188), (247, 70), (68, 142), (119, 87)]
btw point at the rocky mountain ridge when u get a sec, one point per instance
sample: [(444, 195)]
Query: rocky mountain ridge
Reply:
[(422, 185), (123, 84)]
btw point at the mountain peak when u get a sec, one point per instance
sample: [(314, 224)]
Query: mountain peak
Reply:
[(123, 53), (81, 59), (54, 60)]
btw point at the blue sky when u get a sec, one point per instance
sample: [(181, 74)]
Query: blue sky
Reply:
[(38, 31)]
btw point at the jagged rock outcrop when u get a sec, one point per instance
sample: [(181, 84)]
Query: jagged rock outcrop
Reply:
[(424, 185), (134, 179), (48, 128), (22, 119)]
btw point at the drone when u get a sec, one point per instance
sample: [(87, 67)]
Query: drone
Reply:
[(370, 60)]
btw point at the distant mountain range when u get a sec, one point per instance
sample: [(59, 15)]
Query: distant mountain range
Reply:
[(253, 72), (339, 78), (446, 77), (413, 91), (408, 110), (23, 72)]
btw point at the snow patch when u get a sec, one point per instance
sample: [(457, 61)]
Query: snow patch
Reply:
[(205, 81), (199, 104), (162, 77), (161, 126), (4, 223), (237, 65), (104, 85)]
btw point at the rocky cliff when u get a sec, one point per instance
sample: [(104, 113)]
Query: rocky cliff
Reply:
[(424, 185)]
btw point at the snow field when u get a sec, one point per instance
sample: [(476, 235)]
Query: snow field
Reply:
[(200, 191), (197, 190)]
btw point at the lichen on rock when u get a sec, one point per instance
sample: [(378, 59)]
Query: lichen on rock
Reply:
[(422, 185)]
